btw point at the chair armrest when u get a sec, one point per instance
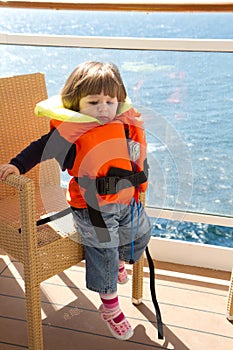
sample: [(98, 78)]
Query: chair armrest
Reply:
[(26, 193), (16, 181)]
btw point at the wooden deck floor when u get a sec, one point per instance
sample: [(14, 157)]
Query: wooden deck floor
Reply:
[(192, 302)]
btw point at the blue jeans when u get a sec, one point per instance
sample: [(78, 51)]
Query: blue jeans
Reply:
[(130, 231)]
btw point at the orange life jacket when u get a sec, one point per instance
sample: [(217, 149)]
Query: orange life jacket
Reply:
[(102, 152)]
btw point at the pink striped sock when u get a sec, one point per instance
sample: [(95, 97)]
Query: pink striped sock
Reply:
[(111, 304), (122, 273), (121, 265)]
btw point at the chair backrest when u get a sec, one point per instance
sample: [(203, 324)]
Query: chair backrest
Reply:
[(19, 126)]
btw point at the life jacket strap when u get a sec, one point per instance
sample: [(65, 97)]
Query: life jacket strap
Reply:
[(95, 214), (112, 184), (52, 217)]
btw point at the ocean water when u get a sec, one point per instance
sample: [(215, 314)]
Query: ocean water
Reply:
[(186, 99)]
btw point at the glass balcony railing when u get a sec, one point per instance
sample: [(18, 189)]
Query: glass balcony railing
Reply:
[(178, 70)]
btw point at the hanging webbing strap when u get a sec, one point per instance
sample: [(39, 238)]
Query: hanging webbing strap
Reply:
[(153, 294), (95, 215)]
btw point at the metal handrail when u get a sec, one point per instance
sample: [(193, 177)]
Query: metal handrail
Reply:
[(118, 43), (122, 5)]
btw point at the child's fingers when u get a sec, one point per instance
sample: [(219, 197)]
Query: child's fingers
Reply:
[(7, 169)]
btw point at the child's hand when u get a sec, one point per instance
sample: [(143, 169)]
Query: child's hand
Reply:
[(7, 169)]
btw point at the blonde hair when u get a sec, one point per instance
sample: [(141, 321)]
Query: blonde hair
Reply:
[(92, 78)]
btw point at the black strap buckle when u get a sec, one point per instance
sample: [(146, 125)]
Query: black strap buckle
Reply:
[(112, 184), (107, 185)]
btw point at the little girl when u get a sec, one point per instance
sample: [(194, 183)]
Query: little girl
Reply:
[(98, 137)]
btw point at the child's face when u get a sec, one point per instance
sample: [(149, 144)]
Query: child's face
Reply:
[(101, 107)]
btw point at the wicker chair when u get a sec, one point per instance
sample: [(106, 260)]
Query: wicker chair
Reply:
[(43, 250), (230, 300)]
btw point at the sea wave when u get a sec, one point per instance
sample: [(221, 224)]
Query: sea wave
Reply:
[(193, 232)]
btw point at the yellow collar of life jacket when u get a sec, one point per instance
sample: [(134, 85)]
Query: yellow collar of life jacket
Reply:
[(53, 108)]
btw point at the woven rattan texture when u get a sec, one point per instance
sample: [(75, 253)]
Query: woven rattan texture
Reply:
[(230, 299)]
